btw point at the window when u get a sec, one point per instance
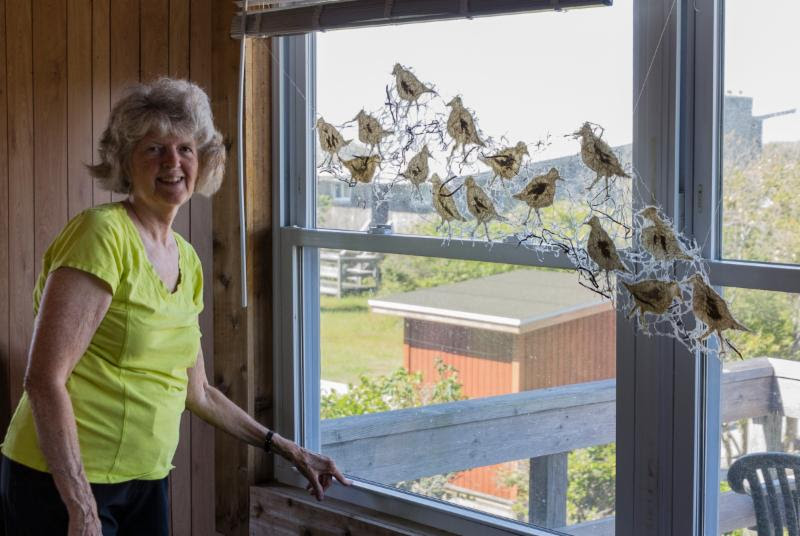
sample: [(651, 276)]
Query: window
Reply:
[(747, 228), (346, 286)]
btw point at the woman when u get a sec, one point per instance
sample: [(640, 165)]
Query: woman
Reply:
[(115, 355)]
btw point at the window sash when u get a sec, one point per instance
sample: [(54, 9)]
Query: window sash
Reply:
[(658, 418)]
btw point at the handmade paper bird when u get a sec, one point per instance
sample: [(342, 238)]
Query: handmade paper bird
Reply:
[(417, 170), (409, 87), (601, 248), (461, 126), (362, 168), (444, 202), (480, 205), (370, 131), (330, 139), (659, 239), (711, 309), (598, 156), (653, 296), (506, 163), (539, 192)]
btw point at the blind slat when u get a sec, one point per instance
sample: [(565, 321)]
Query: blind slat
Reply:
[(300, 17)]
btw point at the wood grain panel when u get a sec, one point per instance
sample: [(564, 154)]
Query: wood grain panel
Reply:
[(232, 345), (5, 401), (203, 501), (154, 30), (49, 124), (101, 84), (125, 51), (178, 67), (19, 57), (79, 104), (259, 245)]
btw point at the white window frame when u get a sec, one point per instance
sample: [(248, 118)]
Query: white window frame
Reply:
[(664, 427)]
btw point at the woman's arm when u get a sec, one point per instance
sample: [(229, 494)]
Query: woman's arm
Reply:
[(208, 403), (73, 304)]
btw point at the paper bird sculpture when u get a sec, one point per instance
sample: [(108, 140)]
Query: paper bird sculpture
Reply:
[(330, 139), (506, 163), (711, 309), (444, 202), (362, 168), (653, 296), (539, 192), (417, 169), (659, 239), (461, 126), (598, 156), (601, 248), (370, 131), (480, 205), (409, 88)]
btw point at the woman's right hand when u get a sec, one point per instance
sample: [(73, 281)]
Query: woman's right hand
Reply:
[(85, 522)]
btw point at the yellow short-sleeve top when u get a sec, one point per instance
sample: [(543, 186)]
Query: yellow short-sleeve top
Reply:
[(128, 390)]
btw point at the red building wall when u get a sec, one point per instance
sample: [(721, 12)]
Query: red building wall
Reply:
[(491, 363)]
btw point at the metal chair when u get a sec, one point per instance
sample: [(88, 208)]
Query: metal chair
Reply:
[(775, 501)]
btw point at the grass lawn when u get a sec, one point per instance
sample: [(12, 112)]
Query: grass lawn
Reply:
[(355, 341)]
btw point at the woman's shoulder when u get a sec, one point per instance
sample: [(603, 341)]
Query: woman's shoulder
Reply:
[(104, 217)]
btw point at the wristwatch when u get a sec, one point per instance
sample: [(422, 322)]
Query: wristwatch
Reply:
[(268, 441)]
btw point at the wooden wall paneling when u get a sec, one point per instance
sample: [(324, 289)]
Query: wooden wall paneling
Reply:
[(259, 224), (178, 67), (202, 445), (19, 67), (79, 104), (232, 342), (49, 124), (5, 401), (125, 51), (166, 23), (101, 84), (154, 39)]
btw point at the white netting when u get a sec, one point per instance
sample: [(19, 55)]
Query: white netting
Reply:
[(421, 138)]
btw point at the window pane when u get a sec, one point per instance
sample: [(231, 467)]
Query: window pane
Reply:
[(759, 411), (467, 381), (761, 132), (524, 77)]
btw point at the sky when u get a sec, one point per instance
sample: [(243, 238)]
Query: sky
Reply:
[(528, 75)]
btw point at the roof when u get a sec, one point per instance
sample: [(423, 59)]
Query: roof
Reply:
[(513, 302)]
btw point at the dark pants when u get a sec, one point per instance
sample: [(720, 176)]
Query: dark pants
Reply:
[(32, 506)]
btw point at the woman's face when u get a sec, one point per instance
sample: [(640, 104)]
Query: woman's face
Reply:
[(163, 170)]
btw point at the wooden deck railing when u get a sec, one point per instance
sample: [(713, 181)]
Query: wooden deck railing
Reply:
[(541, 425)]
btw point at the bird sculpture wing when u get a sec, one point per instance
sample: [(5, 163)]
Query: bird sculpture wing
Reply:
[(602, 250), (445, 205), (662, 243)]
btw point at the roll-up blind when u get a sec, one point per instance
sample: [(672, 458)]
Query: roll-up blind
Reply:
[(289, 17)]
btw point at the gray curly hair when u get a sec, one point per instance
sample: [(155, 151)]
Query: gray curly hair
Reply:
[(165, 106)]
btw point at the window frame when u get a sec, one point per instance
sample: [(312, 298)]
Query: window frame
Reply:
[(660, 421), (701, 110)]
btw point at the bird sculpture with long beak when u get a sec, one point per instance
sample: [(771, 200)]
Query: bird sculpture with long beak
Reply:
[(362, 168), (461, 126), (653, 296), (598, 156), (409, 88), (539, 192), (444, 203), (659, 239), (480, 205), (370, 131), (506, 163), (711, 310), (330, 139), (417, 169), (601, 248)]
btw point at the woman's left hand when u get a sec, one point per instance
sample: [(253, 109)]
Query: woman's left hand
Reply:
[(318, 469)]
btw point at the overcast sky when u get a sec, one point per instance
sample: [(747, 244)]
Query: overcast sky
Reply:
[(527, 75)]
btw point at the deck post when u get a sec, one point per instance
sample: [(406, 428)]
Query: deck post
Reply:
[(547, 491)]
